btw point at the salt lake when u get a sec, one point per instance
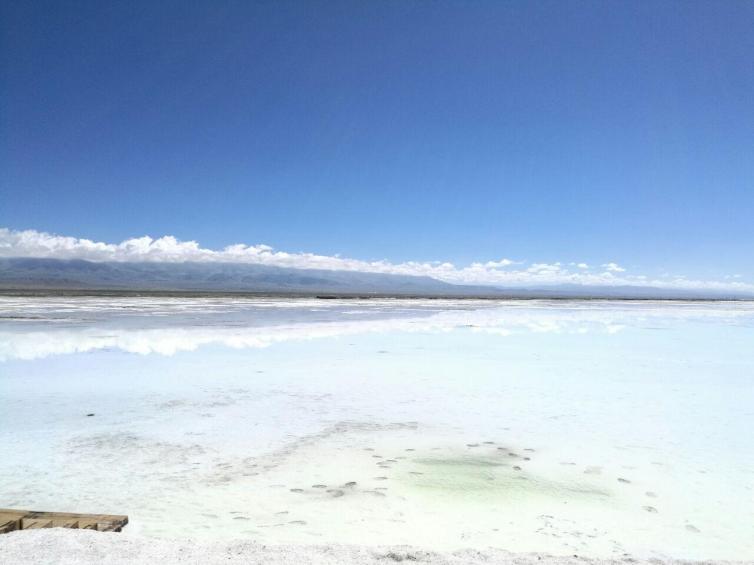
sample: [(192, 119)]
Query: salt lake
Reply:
[(598, 428)]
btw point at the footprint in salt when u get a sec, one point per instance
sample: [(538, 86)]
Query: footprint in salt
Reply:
[(650, 509), (651, 494), (380, 478), (319, 486), (489, 443), (281, 513), (622, 480), (472, 445), (298, 522), (592, 470), (692, 528), (350, 484), (336, 492), (297, 490)]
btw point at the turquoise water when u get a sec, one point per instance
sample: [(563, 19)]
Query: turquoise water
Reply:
[(589, 427)]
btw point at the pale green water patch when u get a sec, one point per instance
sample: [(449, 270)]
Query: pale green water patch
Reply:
[(486, 477)]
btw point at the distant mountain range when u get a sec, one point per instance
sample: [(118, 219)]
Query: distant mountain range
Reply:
[(27, 274)]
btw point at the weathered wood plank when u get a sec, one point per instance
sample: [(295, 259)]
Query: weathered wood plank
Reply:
[(9, 525), (33, 524), (11, 520)]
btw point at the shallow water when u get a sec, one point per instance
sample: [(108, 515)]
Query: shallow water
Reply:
[(589, 427)]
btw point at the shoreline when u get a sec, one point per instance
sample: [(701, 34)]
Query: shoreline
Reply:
[(523, 295), (84, 547)]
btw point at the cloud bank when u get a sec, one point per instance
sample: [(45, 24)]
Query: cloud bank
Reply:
[(498, 272)]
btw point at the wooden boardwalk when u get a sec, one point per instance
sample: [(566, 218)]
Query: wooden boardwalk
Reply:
[(11, 520)]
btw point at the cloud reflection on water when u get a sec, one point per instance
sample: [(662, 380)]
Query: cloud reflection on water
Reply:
[(186, 326)]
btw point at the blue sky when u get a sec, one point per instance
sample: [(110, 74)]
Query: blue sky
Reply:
[(542, 132)]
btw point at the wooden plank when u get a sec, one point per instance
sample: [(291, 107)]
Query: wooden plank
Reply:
[(9, 526), (34, 524), (75, 515), (6, 515), (29, 519)]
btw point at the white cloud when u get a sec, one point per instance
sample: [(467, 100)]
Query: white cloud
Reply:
[(613, 268), (499, 264), (501, 272)]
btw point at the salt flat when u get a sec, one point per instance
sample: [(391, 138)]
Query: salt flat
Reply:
[(604, 429), (82, 547)]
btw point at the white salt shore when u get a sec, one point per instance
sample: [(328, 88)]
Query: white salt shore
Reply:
[(82, 547)]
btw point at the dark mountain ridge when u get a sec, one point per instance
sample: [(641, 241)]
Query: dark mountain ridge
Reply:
[(24, 273), (32, 274)]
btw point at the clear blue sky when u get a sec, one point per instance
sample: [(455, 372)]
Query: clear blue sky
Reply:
[(461, 131)]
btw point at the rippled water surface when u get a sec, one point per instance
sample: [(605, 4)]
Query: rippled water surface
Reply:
[(588, 427)]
